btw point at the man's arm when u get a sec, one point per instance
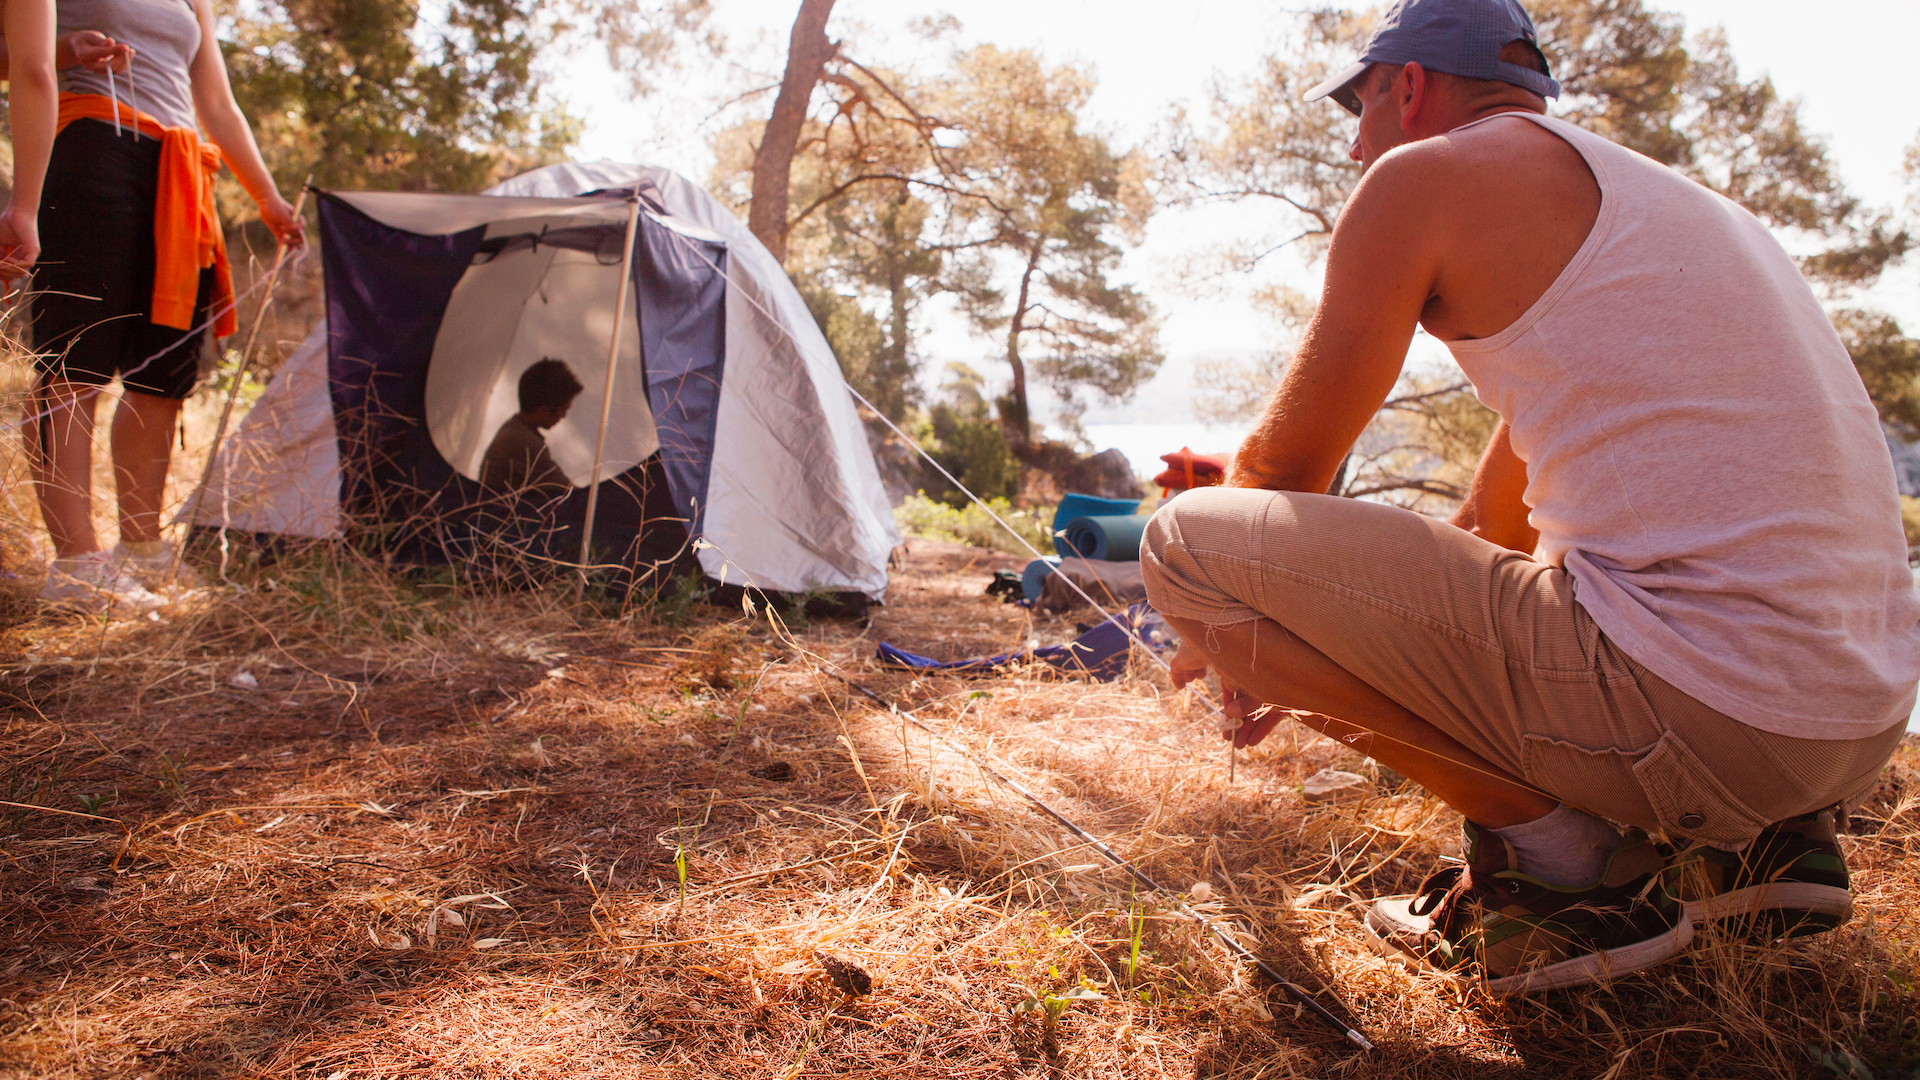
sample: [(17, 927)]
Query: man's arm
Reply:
[(1381, 270), (1494, 510)]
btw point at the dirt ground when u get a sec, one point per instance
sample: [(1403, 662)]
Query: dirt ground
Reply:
[(336, 825)]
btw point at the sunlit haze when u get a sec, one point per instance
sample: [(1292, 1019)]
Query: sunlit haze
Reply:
[(1845, 59)]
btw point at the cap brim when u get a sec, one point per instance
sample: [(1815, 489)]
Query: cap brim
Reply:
[(1340, 79)]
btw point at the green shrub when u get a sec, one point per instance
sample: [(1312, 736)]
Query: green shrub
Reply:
[(973, 447), (922, 516)]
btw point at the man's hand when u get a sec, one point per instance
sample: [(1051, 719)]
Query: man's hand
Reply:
[(92, 50), (1248, 719), (19, 244)]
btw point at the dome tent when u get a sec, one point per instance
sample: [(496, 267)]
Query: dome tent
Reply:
[(729, 418)]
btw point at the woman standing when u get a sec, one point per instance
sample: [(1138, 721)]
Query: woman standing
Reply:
[(133, 272)]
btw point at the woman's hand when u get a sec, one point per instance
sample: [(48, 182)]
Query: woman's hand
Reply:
[(92, 50), (278, 216), (19, 243), (1247, 719)]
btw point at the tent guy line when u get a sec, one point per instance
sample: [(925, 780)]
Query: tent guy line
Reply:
[(977, 501), (1228, 724), (1132, 631), (1292, 990)]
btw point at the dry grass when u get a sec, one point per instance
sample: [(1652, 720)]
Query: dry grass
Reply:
[(442, 835), (443, 842)]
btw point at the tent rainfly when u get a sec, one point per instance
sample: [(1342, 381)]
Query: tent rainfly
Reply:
[(729, 422)]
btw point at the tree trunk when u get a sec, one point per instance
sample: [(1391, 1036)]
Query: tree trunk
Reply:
[(807, 55), (899, 372), (1014, 415)]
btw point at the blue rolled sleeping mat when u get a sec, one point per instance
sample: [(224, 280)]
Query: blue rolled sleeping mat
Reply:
[(1075, 505), (1109, 538), (1034, 577)]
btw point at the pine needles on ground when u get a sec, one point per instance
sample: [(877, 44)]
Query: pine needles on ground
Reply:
[(446, 833), (443, 830)]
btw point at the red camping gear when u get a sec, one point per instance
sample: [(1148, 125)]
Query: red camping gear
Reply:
[(1187, 470)]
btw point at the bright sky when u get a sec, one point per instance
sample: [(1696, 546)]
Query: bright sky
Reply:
[(1848, 63)]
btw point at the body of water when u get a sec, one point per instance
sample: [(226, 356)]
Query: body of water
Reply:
[(1144, 443)]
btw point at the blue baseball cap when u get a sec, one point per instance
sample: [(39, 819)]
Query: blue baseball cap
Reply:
[(1459, 37)]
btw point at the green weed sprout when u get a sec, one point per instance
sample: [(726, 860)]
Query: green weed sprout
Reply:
[(1052, 1007), (680, 862), (1136, 923)]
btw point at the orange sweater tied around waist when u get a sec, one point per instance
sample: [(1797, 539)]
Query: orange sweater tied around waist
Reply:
[(186, 231)]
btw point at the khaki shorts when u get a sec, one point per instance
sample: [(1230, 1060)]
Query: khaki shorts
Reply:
[(1492, 648)]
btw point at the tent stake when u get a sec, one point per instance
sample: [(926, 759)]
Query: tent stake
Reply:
[(239, 375), (606, 401)]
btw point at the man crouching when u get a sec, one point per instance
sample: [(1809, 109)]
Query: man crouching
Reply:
[(1676, 597)]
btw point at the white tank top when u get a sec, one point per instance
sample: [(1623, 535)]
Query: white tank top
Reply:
[(165, 35), (1704, 461)]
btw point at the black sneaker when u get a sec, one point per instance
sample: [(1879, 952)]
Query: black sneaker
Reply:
[(1790, 882), (1514, 934)]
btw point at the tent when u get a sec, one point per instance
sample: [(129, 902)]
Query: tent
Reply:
[(730, 424)]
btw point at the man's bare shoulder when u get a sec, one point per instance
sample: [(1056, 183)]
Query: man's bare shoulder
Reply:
[(1500, 209), (1501, 136), (1494, 155)]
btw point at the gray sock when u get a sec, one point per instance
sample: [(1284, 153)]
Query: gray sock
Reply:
[(1566, 847)]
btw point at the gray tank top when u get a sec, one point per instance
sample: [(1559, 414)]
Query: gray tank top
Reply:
[(165, 37)]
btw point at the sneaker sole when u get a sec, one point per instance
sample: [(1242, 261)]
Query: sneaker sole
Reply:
[(1585, 970), (1782, 908), (103, 602), (84, 605)]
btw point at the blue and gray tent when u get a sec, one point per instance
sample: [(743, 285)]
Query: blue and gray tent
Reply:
[(729, 419)]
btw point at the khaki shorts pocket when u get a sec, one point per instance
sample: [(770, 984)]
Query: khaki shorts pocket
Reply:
[(1599, 782), (1689, 801)]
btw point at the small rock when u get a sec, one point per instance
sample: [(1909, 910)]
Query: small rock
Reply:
[(1333, 785), (1107, 474), (243, 680)]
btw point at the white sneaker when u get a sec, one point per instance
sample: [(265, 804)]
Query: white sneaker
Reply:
[(91, 582), (161, 570)]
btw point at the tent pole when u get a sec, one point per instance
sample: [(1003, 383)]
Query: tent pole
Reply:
[(606, 401)]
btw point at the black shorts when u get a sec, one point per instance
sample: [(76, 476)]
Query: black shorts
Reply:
[(93, 285)]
